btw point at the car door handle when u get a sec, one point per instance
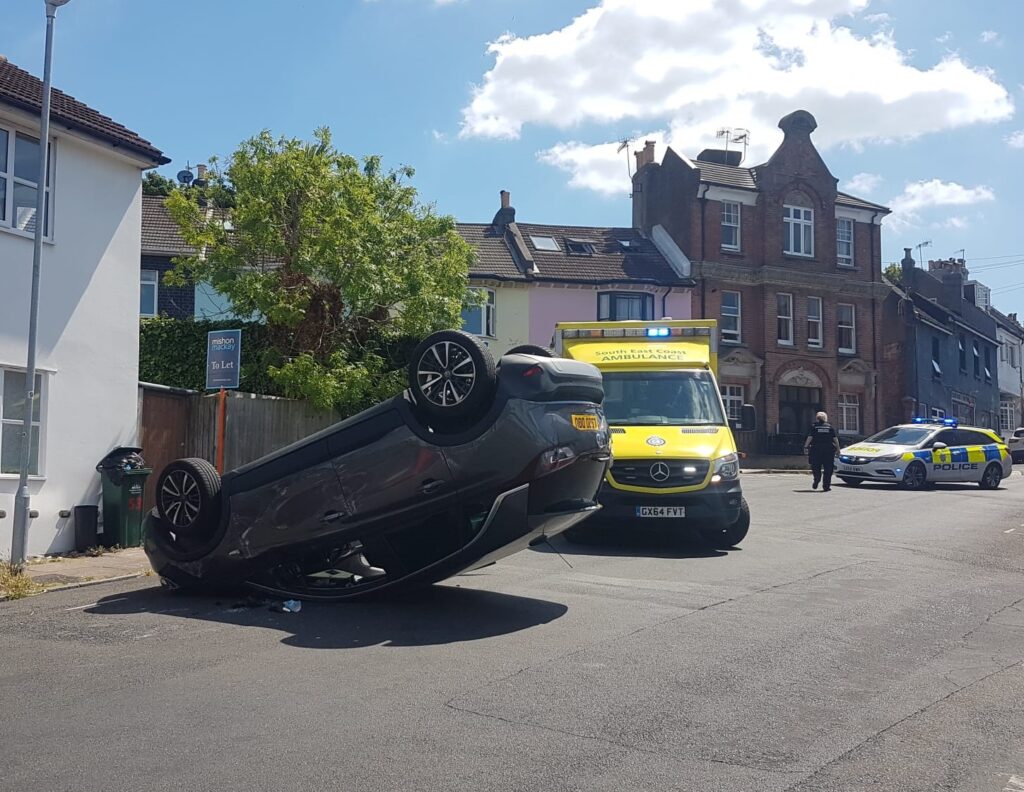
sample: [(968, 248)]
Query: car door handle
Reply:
[(331, 516), (430, 487)]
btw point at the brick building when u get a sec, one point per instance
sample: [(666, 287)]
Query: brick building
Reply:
[(791, 269)]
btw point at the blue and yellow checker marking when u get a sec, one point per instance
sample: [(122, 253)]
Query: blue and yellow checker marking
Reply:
[(945, 456)]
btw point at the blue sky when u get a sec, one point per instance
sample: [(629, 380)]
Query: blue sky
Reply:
[(916, 100)]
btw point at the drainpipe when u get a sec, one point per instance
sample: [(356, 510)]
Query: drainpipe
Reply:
[(664, 298), (874, 325), (703, 288)]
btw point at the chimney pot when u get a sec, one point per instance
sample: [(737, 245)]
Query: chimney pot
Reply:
[(506, 198), (201, 170)]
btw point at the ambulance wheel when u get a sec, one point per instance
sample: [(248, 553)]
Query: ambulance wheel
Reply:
[(851, 482), (914, 477), (730, 535), (992, 478)]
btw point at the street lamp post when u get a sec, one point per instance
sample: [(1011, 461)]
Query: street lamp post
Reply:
[(22, 499)]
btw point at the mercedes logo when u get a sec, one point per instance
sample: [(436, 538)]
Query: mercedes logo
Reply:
[(660, 471)]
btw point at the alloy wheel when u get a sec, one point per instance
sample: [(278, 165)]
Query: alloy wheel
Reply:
[(180, 499), (446, 374)]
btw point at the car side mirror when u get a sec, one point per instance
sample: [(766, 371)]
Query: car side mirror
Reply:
[(939, 444)]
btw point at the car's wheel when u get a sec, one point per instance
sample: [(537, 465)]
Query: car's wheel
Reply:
[(188, 498), (851, 482), (992, 477), (914, 477), (451, 375), (730, 535), (531, 349)]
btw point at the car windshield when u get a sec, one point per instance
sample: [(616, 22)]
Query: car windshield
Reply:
[(674, 398), (901, 435)]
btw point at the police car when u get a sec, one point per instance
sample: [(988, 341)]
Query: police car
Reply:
[(927, 451)]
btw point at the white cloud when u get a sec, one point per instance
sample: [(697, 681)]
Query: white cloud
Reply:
[(954, 223), (1016, 139), (920, 196), (877, 19), (690, 68), (862, 183), (945, 37), (439, 136), (988, 36)]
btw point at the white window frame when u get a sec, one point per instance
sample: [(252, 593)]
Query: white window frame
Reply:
[(609, 299), (779, 318), (488, 309), (816, 341), (846, 403), (150, 277), (1006, 418), (977, 360), (733, 397), (37, 425), (731, 218), (936, 352), (7, 221), (798, 224), (731, 336), (937, 412), (852, 327), (844, 259)]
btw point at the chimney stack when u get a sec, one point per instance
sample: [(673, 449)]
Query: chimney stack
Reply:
[(645, 156), (506, 198), (908, 265), (506, 214), (201, 171)]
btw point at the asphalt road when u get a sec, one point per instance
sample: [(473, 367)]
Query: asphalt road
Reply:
[(860, 639)]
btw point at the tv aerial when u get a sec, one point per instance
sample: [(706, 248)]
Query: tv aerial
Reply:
[(624, 146), (735, 135)]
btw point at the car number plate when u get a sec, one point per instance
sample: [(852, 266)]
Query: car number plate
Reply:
[(660, 511), (585, 423), (849, 469)]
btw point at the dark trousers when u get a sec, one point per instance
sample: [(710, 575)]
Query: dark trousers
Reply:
[(822, 465)]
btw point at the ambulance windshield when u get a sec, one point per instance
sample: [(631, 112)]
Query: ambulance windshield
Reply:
[(673, 398)]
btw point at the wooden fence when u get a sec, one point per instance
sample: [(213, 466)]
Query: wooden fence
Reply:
[(177, 423)]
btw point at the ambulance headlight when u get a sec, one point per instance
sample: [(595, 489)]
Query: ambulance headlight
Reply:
[(727, 468)]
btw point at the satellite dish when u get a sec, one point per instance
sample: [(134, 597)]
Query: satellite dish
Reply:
[(185, 176)]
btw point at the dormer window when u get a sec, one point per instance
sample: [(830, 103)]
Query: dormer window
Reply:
[(579, 247), (544, 243)]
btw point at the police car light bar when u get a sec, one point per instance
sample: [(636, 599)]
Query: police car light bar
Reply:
[(939, 421)]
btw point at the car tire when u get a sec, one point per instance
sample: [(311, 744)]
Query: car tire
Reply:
[(188, 497), (851, 482), (531, 349), (451, 375), (730, 535), (915, 477), (992, 477)]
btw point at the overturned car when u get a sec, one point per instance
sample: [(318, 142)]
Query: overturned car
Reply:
[(471, 463)]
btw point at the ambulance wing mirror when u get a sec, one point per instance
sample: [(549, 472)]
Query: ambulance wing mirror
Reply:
[(747, 421)]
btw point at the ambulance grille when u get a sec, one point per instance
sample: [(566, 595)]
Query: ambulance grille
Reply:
[(647, 473)]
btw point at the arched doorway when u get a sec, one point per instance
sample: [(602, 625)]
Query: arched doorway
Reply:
[(800, 397)]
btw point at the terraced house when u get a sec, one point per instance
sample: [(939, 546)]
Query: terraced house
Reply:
[(791, 269)]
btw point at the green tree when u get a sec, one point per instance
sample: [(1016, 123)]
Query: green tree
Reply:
[(337, 257), (155, 184), (893, 273)]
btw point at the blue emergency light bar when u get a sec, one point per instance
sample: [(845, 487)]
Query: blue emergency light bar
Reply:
[(657, 332), (939, 421)]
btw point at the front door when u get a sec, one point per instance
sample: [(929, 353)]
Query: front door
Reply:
[(797, 406), (942, 458)]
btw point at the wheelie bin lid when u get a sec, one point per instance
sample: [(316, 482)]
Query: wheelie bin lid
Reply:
[(114, 458)]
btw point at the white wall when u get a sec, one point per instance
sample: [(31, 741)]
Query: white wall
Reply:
[(88, 332)]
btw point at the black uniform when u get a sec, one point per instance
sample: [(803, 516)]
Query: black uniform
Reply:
[(821, 440)]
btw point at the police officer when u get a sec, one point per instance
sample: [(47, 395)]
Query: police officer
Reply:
[(822, 445)]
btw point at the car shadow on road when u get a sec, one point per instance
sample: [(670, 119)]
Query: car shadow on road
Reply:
[(636, 544), (441, 614)]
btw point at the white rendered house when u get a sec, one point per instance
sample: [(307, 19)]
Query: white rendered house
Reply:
[(88, 339)]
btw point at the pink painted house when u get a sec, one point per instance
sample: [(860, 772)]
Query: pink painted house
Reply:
[(535, 275)]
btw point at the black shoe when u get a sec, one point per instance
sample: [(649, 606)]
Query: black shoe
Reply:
[(826, 489), (814, 485)]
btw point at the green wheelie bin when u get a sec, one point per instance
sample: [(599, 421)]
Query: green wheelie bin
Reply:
[(123, 474)]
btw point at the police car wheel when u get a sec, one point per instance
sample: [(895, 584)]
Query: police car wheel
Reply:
[(914, 477), (992, 477), (851, 482)]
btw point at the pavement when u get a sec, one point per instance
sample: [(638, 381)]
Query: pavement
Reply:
[(861, 639), (62, 571)]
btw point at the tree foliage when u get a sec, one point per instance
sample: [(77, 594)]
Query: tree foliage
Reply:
[(155, 184), (893, 273), (337, 257)]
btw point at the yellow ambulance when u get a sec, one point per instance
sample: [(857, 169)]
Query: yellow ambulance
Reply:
[(675, 459)]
